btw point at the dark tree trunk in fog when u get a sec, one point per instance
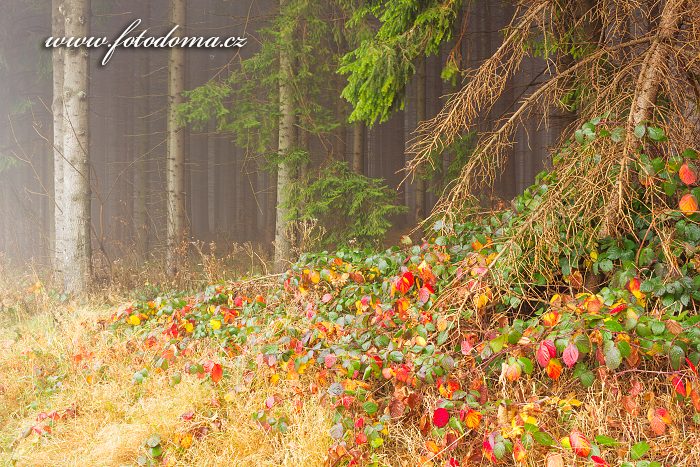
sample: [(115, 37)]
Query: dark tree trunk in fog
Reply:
[(283, 245), (420, 116), (211, 179), (142, 119), (76, 171), (358, 148), (175, 159), (58, 30)]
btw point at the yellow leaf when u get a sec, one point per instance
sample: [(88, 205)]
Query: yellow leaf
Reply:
[(481, 301), (189, 327), (186, 440), (315, 277), (215, 324), (472, 419), (134, 320)]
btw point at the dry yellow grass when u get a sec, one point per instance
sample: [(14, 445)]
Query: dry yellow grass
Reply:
[(114, 416)]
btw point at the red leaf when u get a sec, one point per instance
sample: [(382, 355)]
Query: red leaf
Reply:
[(545, 351), (327, 298), (570, 355), (679, 386), (405, 282), (440, 417), (424, 294), (599, 461), (330, 360), (216, 373), (579, 444), (618, 308)]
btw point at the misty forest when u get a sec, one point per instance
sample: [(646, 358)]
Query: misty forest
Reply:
[(350, 232)]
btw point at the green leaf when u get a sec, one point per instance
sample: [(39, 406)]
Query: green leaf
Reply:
[(587, 379), (677, 357), (527, 365), (638, 450), (625, 349), (613, 357), (543, 438), (370, 407), (396, 356), (582, 343), (640, 130), (604, 440), (499, 450), (656, 134)]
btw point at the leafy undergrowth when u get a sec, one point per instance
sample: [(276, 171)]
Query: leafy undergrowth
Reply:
[(415, 356)]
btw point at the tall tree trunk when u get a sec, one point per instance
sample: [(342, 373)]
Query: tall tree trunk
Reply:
[(58, 30), (175, 159), (212, 170), (141, 150), (420, 116), (283, 245), (340, 145), (76, 170), (358, 148)]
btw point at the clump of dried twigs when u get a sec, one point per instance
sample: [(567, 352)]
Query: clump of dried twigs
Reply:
[(641, 63)]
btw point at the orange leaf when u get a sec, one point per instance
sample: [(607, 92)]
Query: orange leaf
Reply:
[(688, 174), (432, 446), (658, 419), (688, 204), (695, 399), (629, 404), (513, 371), (554, 369), (519, 452)]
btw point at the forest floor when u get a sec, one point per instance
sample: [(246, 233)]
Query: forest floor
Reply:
[(256, 373), (69, 398)]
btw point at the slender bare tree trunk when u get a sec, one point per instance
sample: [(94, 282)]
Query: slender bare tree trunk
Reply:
[(358, 146), (76, 170), (175, 159), (420, 116), (58, 30), (283, 245)]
